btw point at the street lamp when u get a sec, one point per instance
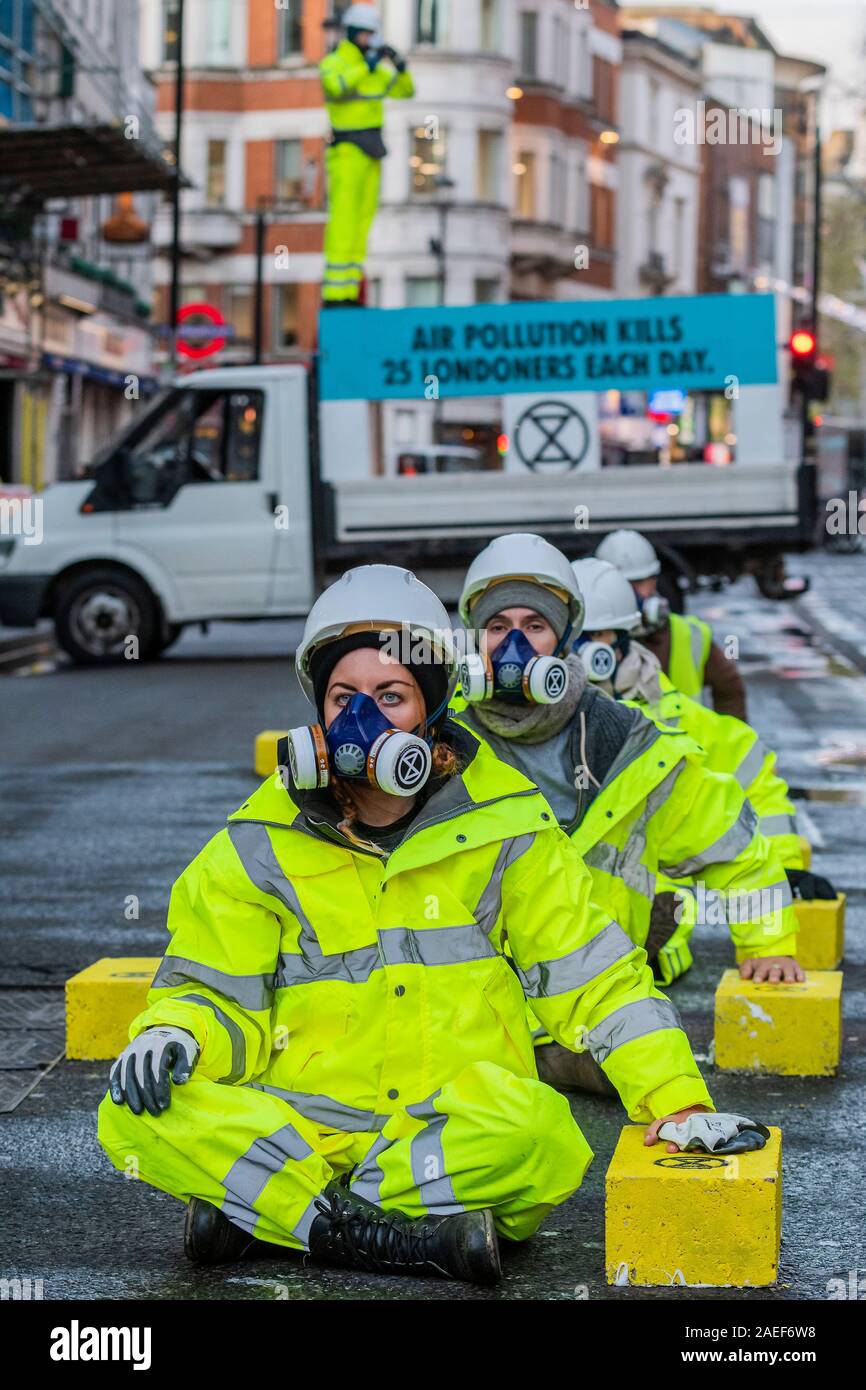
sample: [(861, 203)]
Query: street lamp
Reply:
[(175, 200), (438, 247), (437, 244)]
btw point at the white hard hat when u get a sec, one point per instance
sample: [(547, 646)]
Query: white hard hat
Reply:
[(373, 598), (522, 555), (609, 597), (361, 17), (630, 552)]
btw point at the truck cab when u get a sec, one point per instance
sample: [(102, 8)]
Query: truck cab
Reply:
[(198, 511)]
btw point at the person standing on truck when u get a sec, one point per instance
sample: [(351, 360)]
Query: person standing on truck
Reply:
[(637, 800), (626, 670), (352, 1064), (683, 644), (356, 76)]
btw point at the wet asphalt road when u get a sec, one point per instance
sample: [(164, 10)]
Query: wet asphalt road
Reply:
[(111, 781)]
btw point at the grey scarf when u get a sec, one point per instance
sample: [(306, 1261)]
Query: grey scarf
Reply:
[(534, 723)]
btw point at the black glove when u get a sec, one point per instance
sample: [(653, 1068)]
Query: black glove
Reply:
[(386, 51), (809, 886)]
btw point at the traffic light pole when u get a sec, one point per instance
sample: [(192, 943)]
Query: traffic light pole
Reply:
[(174, 306)]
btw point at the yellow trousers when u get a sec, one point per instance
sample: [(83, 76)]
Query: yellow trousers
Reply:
[(487, 1138), (353, 198)]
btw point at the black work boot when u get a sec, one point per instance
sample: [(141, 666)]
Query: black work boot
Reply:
[(356, 1234), (209, 1238)]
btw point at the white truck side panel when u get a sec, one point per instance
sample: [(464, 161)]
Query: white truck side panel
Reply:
[(681, 498)]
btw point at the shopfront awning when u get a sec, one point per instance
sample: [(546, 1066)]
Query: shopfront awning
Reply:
[(42, 162)]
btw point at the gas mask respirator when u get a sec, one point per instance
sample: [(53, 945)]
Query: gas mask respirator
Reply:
[(516, 672), (360, 744), (600, 658), (654, 612)]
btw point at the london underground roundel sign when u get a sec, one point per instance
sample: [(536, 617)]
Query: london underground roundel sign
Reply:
[(200, 342)]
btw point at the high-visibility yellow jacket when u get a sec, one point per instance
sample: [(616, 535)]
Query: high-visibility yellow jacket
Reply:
[(355, 96), (662, 818), (731, 746), (358, 984), (691, 639)]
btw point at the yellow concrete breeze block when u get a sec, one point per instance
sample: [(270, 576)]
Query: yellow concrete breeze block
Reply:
[(266, 751), (806, 851), (102, 1001), (821, 935), (784, 1030), (693, 1219)]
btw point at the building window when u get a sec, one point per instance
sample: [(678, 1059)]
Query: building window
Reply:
[(679, 262), (240, 312), (290, 171), (601, 214), (16, 60), (528, 43), (290, 38), (491, 25), (580, 194), (488, 291), (430, 21), (603, 89), (738, 223), (525, 173), (286, 317), (219, 33), (170, 22), (422, 291), (427, 160), (766, 220), (557, 190), (489, 167), (215, 182)]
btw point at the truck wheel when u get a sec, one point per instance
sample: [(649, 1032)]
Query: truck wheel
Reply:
[(99, 610), (170, 634)]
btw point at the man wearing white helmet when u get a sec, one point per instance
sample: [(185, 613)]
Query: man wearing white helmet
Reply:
[(621, 666), (684, 645), (637, 801), (335, 1055), (357, 76)]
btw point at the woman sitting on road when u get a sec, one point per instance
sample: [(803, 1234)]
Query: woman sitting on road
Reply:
[(353, 1071)]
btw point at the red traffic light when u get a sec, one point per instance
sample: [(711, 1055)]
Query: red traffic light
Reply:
[(803, 343)]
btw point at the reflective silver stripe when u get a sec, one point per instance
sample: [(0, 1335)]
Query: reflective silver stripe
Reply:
[(723, 850), (579, 967), (696, 641), (253, 992), (760, 902), (623, 864), (778, 825), (301, 1229), (489, 904), (629, 865), (435, 946), (356, 967), (342, 265), (397, 946), (632, 1021), (751, 764), (324, 1110), (236, 1037), (239, 1215), (429, 1173), (367, 1181), (248, 1174), (253, 847)]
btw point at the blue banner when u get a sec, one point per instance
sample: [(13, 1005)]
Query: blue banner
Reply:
[(697, 342)]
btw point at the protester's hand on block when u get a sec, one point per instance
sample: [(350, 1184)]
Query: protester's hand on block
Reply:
[(774, 970)]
